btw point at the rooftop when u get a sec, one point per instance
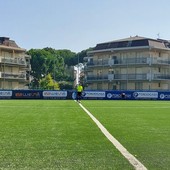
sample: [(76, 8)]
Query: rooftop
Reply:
[(6, 43), (132, 42)]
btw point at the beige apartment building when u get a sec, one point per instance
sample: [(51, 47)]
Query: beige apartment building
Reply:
[(14, 65), (134, 63)]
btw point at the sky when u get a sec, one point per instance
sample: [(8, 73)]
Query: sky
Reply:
[(77, 25)]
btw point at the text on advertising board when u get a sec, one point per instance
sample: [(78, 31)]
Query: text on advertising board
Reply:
[(6, 93), (55, 93), (153, 95), (93, 94)]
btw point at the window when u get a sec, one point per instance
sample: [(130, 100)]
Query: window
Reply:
[(159, 69), (114, 87), (138, 86), (114, 57), (99, 86), (10, 69), (10, 85), (111, 71), (159, 84), (159, 55), (123, 86)]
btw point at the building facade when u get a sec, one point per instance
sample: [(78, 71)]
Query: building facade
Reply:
[(14, 65), (134, 63)]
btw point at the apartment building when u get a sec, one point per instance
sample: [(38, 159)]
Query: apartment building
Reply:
[(14, 65), (134, 63)]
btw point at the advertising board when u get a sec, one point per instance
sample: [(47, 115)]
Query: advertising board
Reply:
[(54, 94), (5, 94)]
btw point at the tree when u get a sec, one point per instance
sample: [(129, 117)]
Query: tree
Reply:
[(48, 83), (55, 62), (45, 61), (39, 65)]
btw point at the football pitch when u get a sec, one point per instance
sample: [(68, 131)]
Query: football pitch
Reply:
[(59, 134)]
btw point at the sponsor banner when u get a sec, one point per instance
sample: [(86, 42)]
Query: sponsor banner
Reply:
[(89, 94), (164, 96), (5, 94), (112, 95), (145, 95), (27, 94), (53, 94), (94, 94)]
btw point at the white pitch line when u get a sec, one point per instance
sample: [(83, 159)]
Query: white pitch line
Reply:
[(135, 163)]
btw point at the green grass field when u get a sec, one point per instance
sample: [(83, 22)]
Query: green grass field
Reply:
[(58, 134)]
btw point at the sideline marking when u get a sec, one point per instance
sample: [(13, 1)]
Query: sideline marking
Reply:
[(135, 163)]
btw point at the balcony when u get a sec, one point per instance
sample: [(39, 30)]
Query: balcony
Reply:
[(128, 61), (13, 76), (129, 77), (27, 56), (163, 62), (161, 77), (14, 61), (97, 78)]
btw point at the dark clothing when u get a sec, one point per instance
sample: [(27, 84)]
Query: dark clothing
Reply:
[(79, 96), (123, 95)]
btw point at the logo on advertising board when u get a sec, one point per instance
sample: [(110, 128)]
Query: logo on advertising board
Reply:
[(5, 93), (27, 94), (153, 95), (109, 95), (55, 93), (164, 96), (97, 94), (117, 96)]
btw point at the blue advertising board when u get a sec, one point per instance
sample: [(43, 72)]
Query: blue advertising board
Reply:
[(164, 95), (86, 95)]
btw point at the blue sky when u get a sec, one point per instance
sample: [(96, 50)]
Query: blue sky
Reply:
[(79, 24)]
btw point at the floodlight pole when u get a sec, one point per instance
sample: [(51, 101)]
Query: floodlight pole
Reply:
[(78, 71), (54, 68)]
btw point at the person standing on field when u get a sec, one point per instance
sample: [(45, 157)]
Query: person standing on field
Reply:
[(79, 89)]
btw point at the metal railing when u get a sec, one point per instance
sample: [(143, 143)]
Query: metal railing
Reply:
[(161, 77), (8, 60), (13, 75), (125, 77), (130, 77), (128, 61)]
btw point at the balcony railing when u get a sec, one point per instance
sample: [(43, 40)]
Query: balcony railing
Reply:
[(161, 77), (97, 77), (130, 76), (13, 75), (18, 61), (125, 77), (128, 61)]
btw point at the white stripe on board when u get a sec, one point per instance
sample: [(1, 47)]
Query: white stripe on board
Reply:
[(136, 164)]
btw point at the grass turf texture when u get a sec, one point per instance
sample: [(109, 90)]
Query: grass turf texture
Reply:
[(143, 127), (54, 134)]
